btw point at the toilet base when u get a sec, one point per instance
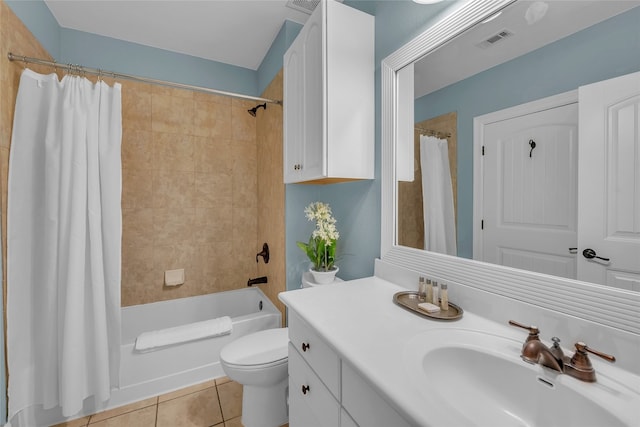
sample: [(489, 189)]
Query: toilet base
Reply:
[(265, 406)]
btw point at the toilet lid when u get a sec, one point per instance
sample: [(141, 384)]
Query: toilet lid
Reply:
[(258, 348)]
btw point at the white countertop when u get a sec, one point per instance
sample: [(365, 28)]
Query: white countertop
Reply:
[(360, 321)]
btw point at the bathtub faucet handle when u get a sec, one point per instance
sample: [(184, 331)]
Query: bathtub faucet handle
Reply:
[(264, 254), (257, 280)]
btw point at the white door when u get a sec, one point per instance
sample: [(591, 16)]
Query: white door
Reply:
[(530, 191), (609, 182)]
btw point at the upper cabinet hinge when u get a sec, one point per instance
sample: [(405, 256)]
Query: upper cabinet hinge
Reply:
[(483, 150), (482, 224)]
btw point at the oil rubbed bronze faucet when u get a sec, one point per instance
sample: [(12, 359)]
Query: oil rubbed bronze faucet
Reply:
[(578, 366)]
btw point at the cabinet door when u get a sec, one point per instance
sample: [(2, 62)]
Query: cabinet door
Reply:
[(293, 119), (313, 151), (310, 402)]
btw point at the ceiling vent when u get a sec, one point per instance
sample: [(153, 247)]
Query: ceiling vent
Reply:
[(496, 38), (306, 6)]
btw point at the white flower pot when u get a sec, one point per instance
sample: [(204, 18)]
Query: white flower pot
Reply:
[(324, 277)]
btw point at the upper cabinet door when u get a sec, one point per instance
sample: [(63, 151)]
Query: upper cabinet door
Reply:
[(329, 98), (292, 117)]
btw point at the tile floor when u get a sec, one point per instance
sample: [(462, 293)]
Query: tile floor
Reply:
[(212, 403)]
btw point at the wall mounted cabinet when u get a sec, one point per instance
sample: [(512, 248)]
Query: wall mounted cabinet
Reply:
[(329, 97)]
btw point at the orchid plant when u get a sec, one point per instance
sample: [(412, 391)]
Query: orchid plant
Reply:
[(321, 249)]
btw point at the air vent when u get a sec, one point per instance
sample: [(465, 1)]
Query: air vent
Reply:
[(496, 38), (306, 6)]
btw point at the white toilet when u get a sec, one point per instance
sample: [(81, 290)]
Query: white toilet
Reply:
[(259, 362)]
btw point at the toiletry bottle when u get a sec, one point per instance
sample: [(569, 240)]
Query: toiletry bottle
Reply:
[(435, 297), (422, 288), (429, 297), (444, 297)]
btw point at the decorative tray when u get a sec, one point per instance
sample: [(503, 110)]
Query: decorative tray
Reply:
[(409, 300)]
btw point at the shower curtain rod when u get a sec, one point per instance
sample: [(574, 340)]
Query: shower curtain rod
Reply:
[(79, 69)]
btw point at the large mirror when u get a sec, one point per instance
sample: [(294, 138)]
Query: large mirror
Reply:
[(499, 159)]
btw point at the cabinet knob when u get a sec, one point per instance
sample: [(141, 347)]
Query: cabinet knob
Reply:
[(305, 346), (305, 389)]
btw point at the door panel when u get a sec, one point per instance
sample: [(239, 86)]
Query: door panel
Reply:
[(609, 198), (530, 191)]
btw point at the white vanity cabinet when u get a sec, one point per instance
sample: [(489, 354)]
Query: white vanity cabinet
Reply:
[(325, 390), (329, 97)]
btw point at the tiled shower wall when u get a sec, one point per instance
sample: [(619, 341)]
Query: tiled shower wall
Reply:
[(190, 182), (189, 192)]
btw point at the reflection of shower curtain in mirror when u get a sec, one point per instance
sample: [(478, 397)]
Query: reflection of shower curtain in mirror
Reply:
[(437, 196)]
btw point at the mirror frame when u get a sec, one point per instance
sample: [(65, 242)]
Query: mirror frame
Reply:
[(606, 305)]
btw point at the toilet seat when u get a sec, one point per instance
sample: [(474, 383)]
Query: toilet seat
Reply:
[(257, 350)]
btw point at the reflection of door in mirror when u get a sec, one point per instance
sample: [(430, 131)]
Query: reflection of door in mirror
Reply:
[(410, 202), (609, 183), (529, 191)]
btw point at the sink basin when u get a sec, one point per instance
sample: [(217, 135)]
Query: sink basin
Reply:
[(477, 378)]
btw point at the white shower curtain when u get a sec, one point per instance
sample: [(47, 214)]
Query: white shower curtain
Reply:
[(64, 234), (437, 196)]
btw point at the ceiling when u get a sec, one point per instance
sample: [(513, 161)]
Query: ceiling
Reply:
[(530, 28), (236, 32)]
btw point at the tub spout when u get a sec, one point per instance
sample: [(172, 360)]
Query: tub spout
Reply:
[(257, 280)]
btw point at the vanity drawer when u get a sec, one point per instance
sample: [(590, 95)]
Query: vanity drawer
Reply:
[(310, 402), (364, 404), (315, 351)]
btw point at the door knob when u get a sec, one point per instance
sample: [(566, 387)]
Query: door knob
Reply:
[(590, 254)]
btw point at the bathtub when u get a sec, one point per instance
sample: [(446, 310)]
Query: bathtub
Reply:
[(173, 367), (144, 375)]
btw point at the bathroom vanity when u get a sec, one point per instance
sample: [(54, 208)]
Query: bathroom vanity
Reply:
[(356, 358)]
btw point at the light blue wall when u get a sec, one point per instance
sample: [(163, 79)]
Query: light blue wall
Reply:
[(78, 47), (272, 62), (38, 18), (606, 50)]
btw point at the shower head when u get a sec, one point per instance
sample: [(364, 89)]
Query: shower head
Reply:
[(254, 109)]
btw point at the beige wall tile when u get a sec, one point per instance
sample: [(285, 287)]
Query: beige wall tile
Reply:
[(137, 189), (172, 225), (212, 120), (136, 106), (137, 150), (213, 155), (171, 114), (173, 152), (141, 418), (195, 409), (111, 413), (243, 124), (230, 399), (174, 189), (211, 188)]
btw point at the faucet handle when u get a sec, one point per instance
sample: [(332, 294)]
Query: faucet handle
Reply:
[(533, 330), (580, 366), (581, 359)]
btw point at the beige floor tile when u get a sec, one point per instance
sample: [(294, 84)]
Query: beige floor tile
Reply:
[(79, 422), (186, 390), (145, 417), (200, 409), (236, 422), (230, 399), (100, 416), (222, 380)]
